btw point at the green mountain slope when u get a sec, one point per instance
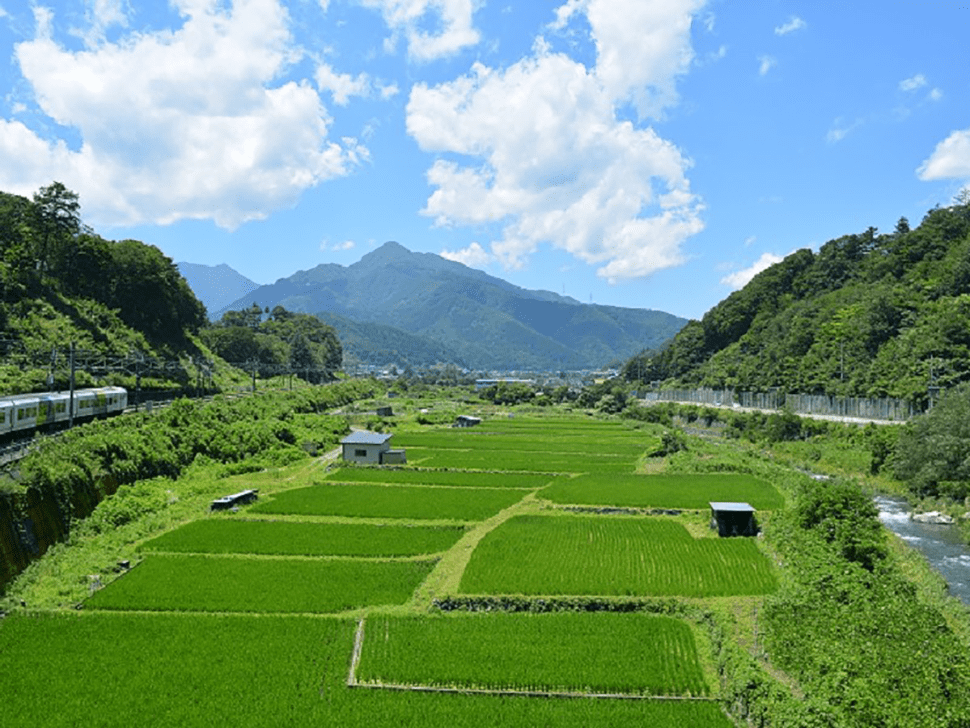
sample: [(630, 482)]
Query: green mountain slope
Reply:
[(475, 319), (122, 303), (868, 315)]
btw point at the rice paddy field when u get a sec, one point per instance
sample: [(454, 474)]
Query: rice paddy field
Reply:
[(184, 583), (191, 670), (455, 478), (391, 501), (681, 490), (250, 618), (225, 536), (594, 555), (569, 652)]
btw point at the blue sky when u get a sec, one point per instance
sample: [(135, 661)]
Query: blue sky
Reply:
[(643, 153)]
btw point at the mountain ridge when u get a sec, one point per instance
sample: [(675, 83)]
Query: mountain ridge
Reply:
[(482, 320)]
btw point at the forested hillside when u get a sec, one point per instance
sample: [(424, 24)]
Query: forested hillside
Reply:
[(283, 343), (868, 315), (119, 301)]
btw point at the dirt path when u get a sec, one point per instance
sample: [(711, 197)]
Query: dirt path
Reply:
[(446, 575)]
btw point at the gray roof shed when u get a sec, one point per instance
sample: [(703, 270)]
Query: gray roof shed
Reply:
[(363, 437)]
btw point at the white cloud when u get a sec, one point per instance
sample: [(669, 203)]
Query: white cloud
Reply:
[(936, 94), (950, 159), (410, 16), (912, 83), (342, 85), (345, 245), (739, 279), (474, 256), (554, 163), (177, 124), (795, 23), (840, 130), (765, 64), (642, 47)]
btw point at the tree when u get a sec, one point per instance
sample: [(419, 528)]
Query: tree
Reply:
[(57, 222), (935, 449), (302, 360)]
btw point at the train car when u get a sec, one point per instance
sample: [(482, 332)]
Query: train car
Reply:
[(22, 413), (25, 409), (6, 416)]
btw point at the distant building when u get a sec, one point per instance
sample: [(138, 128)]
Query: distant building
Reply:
[(467, 421), (385, 412), (371, 448), (733, 519)]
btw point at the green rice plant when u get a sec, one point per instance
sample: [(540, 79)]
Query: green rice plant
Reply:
[(584, 555), (457, 478), (636, 653), (680, 490), (520, 461), (537, 441), (232, 584), (225, 536), (392, 501), (184, 671)]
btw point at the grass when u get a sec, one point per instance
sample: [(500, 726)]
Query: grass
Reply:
[(550, 555), (225, 536), (192, 670), (270, 585), (635, 654), (381, 501), (689, 491)]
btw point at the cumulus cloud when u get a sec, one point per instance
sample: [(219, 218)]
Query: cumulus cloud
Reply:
[(474, 256), (912, 83), (950, 159), (342, 85), (552, 163), (765, 64), (410, 17), (739, 279), (795, 23), (177, 124)]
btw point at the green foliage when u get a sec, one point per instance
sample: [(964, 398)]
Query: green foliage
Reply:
[(851, 629), (508, 393), (869, 315), (935, 447), (283, 343)]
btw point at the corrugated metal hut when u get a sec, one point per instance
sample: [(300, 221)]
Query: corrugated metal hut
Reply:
[(733, 519)]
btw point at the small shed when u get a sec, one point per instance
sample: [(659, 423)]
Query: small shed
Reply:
[(364, 446), (467, 421), (733, 519), (385, 411)]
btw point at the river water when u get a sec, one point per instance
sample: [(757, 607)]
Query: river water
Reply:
[(941, 545)]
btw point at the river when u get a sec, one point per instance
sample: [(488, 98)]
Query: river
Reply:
[(941, 545)]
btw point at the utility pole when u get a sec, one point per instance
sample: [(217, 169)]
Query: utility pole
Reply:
[(70, 406)]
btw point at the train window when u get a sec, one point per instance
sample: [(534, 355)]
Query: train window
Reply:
[(20, 413), (3, 417)]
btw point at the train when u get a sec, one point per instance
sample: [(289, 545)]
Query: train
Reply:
[(22, 413)]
